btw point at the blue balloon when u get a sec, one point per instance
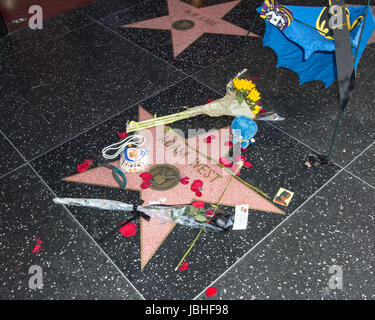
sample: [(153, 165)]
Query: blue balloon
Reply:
[(243, 129)]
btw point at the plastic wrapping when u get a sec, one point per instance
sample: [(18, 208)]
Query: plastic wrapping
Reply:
[(186, 215)]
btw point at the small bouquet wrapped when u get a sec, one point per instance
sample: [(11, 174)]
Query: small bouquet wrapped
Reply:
[(246, 91), (240, 100), (194, 216)]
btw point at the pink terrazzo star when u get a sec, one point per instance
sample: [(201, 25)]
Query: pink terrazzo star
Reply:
[(188, 23), (154, 232)]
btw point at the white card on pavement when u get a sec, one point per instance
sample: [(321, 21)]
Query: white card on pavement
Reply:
[(241, 216)]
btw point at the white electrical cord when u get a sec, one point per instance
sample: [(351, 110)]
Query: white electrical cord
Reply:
[(119, 147)]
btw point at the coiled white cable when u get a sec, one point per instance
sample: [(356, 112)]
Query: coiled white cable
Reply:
[(119, 147)]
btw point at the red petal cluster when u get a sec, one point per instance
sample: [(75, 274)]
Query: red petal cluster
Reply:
[(184, 266), (184, 180), (209, 213), (122, 134), (198, 204), (196, 186), (85, 165), (146, 177)]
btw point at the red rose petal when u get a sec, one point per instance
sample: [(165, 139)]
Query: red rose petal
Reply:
[(254, 79), (128, 230), (146, 184), (210, 100), (243, 150), (82, 167), (209, 213), (198, 194), (85, 165), (89, 162), (228, 144), (262, 111), (184, 266), (38, 247), (146, 176), (211, 291), (247, 164), (198, 204), (184, 180), (209, 139), (225, 162), (122, 134), (197, 183)]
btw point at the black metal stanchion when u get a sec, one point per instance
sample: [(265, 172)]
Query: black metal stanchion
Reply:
[(3, 27)]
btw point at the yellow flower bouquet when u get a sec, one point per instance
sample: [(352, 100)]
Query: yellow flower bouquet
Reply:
[(245, 90)]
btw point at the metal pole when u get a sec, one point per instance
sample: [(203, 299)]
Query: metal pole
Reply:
[(3, 27)]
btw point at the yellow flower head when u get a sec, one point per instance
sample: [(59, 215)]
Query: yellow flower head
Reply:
[(243, 84), (254, 95)]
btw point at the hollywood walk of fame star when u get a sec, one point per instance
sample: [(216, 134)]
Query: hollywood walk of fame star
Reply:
[(153, 233), (188, 23)]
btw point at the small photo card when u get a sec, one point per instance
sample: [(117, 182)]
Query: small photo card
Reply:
[(283, 197)]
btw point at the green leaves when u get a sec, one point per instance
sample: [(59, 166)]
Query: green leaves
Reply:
[(200, 218), (240, 97)]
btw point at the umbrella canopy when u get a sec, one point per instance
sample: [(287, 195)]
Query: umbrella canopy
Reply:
[(307, 47)]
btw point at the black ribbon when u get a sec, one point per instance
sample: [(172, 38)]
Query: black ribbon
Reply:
[(136, 214)]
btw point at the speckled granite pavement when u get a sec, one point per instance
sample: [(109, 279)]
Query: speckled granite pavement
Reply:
[(67, 90)]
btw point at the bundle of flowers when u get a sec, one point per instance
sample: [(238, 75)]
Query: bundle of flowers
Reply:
[(245, 90)]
